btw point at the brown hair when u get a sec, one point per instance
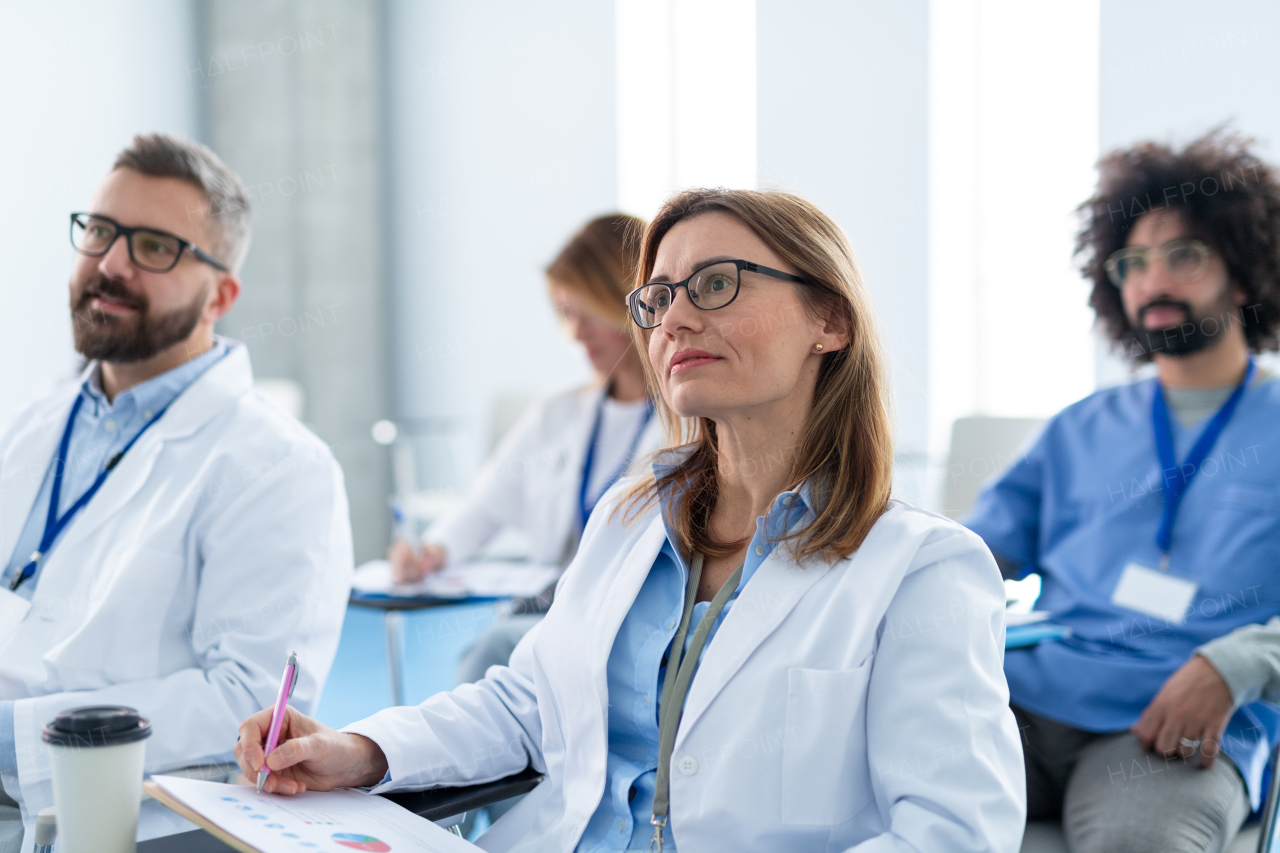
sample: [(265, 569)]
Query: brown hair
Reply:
[(599, 262), (846, 449), (160, 155), (1226, 196)]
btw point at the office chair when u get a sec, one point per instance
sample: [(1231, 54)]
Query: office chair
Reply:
[(1269, 831), (981, 448), (439, 804)]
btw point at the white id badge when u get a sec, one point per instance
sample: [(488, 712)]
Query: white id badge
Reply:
[(13, 608), (1154, 593)]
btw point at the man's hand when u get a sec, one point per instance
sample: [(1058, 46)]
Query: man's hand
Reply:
[(409, 565), (1195, 703), (310, 756)]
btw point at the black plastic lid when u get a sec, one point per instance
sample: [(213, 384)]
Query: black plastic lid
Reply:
[(97, 725)]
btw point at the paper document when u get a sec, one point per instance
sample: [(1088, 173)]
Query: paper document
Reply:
[(1025, 618), (480, 579), (332, 822)]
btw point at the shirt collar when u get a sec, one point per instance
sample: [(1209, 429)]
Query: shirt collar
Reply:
[(158, 391), (787, 509)]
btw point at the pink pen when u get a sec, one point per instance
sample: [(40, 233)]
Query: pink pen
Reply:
[(287, 682)]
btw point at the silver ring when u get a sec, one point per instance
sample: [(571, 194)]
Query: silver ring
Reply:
[(1188, 742)]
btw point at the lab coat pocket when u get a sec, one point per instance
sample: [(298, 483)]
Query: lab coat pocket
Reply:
[(824, 754)]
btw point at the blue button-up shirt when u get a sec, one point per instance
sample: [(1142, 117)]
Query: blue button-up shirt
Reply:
[(635, 673), (1085, 501), (101, 430)]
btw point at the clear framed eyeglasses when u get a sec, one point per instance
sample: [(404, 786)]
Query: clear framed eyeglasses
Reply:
[(1183, 260)]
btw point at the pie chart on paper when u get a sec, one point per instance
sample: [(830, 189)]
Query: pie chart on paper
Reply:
[(361, 842)]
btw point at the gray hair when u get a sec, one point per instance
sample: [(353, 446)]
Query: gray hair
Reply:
[(160, 155)]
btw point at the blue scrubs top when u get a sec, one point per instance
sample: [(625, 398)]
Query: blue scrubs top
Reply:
[(1085, 501)]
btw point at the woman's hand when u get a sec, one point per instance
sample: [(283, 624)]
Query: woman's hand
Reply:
[(410, 565), (310, 756)]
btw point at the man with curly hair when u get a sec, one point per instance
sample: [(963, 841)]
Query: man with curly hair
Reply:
[(1151, 512)]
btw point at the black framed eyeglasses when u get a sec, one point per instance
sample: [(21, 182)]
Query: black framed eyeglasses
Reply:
[(1184, 261), (149, 249), (711, 287)]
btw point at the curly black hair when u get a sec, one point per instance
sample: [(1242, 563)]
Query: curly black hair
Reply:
[(1228, 197)]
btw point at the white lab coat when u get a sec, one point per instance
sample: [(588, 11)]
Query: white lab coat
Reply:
[(859, 705), (531, 482), (218, 544)]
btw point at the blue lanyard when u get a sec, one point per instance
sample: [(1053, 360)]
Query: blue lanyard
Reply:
[(1186, 472), (584, 510), (53, 524)]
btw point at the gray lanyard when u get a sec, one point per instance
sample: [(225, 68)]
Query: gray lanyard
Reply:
[(680, 669)]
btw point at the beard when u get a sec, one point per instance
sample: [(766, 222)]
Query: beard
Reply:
[(1195, 333), (120, 340)]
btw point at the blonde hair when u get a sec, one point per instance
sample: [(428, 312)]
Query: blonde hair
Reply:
[(598, 264), (846, 449)]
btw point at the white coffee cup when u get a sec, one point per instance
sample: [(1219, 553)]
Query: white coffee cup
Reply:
[(96, 755)]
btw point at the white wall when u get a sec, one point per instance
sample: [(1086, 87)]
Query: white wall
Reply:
[(686, 107), (843, 120), (504, 137), (294, 105), (81, 78), (1013, 140), (1194, 66), (502, 145)]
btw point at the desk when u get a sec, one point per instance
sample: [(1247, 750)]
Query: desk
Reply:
[(393, 609), (436, 804)]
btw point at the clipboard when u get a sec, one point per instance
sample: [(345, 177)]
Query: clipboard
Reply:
[(339, 820), (485, 580), (164, 797)]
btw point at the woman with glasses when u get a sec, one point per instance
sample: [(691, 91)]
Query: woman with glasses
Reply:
[(756, 647), (546, 476)]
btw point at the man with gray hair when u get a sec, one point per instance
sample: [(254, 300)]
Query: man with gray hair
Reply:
[(167, 535)]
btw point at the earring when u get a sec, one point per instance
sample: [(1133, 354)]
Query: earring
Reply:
[(818, 347)]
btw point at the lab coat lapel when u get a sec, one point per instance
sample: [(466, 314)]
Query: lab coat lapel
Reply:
[(769, 596), (563, 505), (578, 433), (23, 469), (626, 586), (123, 483), (218, 387), (590, 719)]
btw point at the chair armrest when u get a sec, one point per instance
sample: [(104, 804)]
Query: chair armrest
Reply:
[(440, 803), (1269, 837)]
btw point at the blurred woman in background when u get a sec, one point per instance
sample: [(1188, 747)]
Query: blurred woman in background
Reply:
[(548, 472)]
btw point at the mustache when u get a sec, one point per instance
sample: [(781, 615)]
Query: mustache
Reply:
[(1184, 307), (112, 288)]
